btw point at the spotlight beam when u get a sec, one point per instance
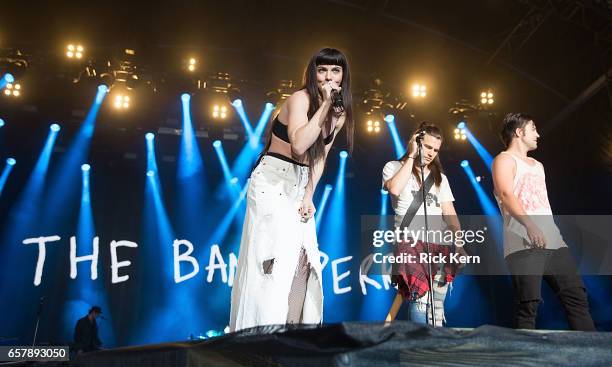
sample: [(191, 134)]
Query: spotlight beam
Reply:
[(334, 241), (231, 182), (487, 205), (480, 149), (238, 106), (322, 205), (10, 162), (397, 141), (65, 179), (249, 153), (190, 158)]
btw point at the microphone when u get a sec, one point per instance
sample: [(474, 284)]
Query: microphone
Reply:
[(337, 102), (420, 135)]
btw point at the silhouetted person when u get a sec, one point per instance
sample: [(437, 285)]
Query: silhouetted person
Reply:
[(86, 332)]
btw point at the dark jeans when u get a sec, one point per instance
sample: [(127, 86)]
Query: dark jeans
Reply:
[(528, 267)]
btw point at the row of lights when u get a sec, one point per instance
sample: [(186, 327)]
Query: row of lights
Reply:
[(78, 51), (122, 102), (420, 91), (373, 127)]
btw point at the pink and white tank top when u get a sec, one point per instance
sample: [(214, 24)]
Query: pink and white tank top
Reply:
[(529, 188)]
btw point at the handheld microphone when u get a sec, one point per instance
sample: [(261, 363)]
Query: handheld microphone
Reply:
[(337, 102), (420, 135)]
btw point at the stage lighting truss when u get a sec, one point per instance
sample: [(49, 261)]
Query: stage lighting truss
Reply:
[(459, 134), (487, 98), (285, 89), (75, 52), (463, 109), (12, 90), (218, 83), (419, 90), (378, 103)]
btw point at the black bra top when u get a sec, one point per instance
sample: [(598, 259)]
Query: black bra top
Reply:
[(280, 130)]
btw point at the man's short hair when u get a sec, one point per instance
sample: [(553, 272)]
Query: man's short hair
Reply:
[(511, 122)]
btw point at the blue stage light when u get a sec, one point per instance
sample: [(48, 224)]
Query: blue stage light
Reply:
[(397, 141), (1, 122), (55, 128), (343, 154), (461, 125), (483, 153), (64, 182), (217, 144), (464, 163), (10, 162), (6, 79), (322, 205), (150, 136), (85, 167), (185, 97), (244, 119)]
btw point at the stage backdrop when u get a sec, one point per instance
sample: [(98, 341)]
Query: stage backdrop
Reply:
[(149, 230)]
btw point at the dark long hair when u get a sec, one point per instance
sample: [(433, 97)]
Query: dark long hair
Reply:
[(326, 56), (435, 167)]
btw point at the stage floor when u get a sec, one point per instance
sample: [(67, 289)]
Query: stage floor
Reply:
[(369, 344)]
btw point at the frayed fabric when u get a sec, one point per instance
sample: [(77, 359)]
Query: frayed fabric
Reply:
[(273, 229)]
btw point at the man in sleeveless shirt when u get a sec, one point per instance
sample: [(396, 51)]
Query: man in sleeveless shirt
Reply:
[(533, 246)]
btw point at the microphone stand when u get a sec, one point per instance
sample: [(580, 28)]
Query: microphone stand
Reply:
[(430, 278), (38, 313)]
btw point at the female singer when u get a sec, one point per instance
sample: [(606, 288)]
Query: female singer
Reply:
[(278, 278)]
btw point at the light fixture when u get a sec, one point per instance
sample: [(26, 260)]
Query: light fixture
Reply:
[(121, 101), (460, 133), (219, 112), (373, 126), (75, 51), (191, 66), (12, 90), (487, 97), (419, 91)]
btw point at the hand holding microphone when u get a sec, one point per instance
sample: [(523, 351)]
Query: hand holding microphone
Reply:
[(333, 94)]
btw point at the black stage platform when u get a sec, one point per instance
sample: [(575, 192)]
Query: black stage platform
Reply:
[(369, 344)]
